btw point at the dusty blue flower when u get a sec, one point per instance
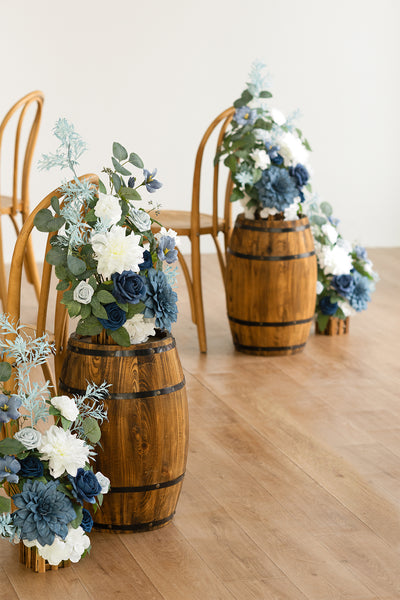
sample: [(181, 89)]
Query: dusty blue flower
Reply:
[(128, 287), (343, 284), (244, 177), (7, 527), (275, 157), (335, 222), (85, 486), (116, 317), (43, 512), (166, 249), (9, 467), (161, 300), (276, 188), (131, 182), (245, 115), (8, 408), (31, 466), (300, 175), (147, 261), (87, 521), (151, 184), (361, 293), (361, 252), (327, 307)]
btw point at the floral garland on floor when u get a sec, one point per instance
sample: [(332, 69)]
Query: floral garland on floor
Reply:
[(47, 475), (346, 278), (108, 261), (267, 155)]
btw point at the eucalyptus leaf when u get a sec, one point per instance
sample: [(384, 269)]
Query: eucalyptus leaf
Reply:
[(116, 181), (119, 151), (76, 265), (135, 160), (56, 256), (5, 371), (129, 193), (119, 168), (5, 505), (78, 519), (89, 326), (265, 94), (326, 208), (236, 195), (102, 187), (63, 285), (91, 430), (11, 446), (120, 336), (44, 221), (74, 308), (62, 272), (55, 204)]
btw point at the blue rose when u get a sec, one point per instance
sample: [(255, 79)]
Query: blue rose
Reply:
[(300, 175), (147, 261), (31, 466), (116, 317), (327, 307), (128, 287), (343, 284), (87, 521), (85, 485)]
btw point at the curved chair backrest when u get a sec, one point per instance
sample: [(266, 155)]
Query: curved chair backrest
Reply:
[(14, 287), (225, 118), (22, 106)]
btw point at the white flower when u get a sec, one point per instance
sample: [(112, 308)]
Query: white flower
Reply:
[(335, 261), (277, 116), (345, 244), (292, 150), (330, 232), (320, 288), (170, 233), (83, 293), (64, 451), (103, 481), (72, 548), (248, 212), (348, 311), (140, 218), (290, 213), (117, 252), (66, 406), (261, 159), (76, 543), (29, 437), (262, 135), (108, 209), (265, 212), (139, 328)]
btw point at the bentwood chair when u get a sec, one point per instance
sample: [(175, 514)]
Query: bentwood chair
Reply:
[(27, 128), (13, 307), (194, 224)]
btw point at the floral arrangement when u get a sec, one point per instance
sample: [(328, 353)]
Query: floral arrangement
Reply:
[(47, 475), (116, 274), (345, 274), (267, 155)]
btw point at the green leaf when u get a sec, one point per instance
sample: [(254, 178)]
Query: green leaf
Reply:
[(119, 151), (56, 256), (322, 322), (62, 272), (135, 160), (65, 423), (66, 490), (74, 308), (5, 505), (89, 326), (85, 310), (5, 371), (55, 204), (53, 411), (236, 195), (326, 208), (44, 221), (308, 187), (119, 168), (98, 309), (104, 297), (68, 296), (307, 145), (245, 98), (317, 220), (11, 446), (231, 163), (261, 124), (257, 174), (78, 519), (102, 187), (100, 498), (93, 282), (129, 193), (120, 336), (91, 430), (134, 309), (116, 181), (76, 265), (62, 285), (265, 94)]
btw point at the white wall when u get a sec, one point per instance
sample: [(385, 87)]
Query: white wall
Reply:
[(153, 74)]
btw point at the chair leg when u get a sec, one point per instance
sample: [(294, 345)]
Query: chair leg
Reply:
[(197, 293), (3, 279)]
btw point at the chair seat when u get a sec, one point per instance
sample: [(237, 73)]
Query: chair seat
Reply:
[(180, 221), (6, 203)]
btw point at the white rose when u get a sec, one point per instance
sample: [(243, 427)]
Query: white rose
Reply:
[(108, 209), (103, 481), (29, 437), (320, 288), (290, 213), (83, 293), (335, 261), (277, 116), (330, 232), (139, 328), (348, 311), (66, 406), (261, 159), (265, 212), (248, 212), (292, 150)]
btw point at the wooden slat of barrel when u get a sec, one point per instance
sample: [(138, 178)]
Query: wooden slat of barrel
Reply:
[(146, 437), (271, 283)]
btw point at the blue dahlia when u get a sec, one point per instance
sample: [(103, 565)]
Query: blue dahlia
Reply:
[(245, 115), (361, 293), (276, 188), (161, 300), (43, 512)]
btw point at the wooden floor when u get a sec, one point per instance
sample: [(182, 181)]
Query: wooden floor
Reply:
[(293, 482)]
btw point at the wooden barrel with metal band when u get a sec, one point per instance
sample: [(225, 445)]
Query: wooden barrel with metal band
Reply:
[(145, 440), (271, 285)]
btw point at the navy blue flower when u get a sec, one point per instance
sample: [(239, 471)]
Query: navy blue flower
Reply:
[(31, 466), (8, 407), (300, 175), (85, 486), (151, 184), (275, 157), (43, 512), (87, 521), (276, 188), (245, 115), (166, 249), (131, 182), (147, 261), (9, 467), (361, 294), (128, 287), (343, 284), (361, 252), (327, 307), (116, 317), (161, 300)]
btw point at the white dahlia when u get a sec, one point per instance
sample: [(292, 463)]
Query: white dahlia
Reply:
[(64, 451), (335, 261), (117, 252), (108, 209)]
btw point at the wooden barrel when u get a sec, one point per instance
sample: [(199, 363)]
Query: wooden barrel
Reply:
[(271, 285), (145, 440)]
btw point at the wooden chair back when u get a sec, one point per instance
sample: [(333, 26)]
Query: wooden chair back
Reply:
[(20, 192), (13, 309)]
